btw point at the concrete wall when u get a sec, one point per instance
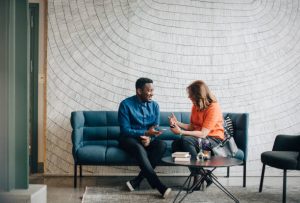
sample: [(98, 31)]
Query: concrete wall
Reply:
[(247, 52)]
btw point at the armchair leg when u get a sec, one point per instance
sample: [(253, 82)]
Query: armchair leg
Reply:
[(80, 170), (228, 171), (244, 174), (262, 177), (75, 175), (284, 187)]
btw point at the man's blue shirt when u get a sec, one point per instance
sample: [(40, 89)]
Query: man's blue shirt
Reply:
[(136, 117)]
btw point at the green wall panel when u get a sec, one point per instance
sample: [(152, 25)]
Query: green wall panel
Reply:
[(21, 88), (14, 103)]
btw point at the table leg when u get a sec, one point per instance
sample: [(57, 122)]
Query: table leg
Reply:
[(188, 180), (204, 175), (209, 173), (190, 188), (221, 187)]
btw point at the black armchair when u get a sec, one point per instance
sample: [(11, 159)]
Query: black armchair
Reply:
[(284, 155)]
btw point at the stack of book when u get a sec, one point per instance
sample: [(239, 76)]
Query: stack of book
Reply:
[(181, 156)]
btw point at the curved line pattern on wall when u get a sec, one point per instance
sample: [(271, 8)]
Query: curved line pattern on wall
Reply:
[(247, 51)]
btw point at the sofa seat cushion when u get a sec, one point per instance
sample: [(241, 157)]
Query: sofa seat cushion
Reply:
[(117, 156), (280, 159), (91, 154)]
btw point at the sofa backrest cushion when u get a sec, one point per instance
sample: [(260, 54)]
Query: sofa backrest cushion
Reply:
[(99, 127)]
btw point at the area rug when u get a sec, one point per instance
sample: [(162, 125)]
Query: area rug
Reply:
[(210, 195)]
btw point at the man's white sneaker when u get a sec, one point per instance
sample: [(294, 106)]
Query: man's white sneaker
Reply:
[(129, 186), (167, 193)]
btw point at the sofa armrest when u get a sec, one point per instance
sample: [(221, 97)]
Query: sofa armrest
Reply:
[(287, 143), (240, 126), (77, 123), (77, 119)]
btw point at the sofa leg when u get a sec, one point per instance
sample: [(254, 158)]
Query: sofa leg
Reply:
[(228, 172), (80, 170), (75, 175), (244, 174), (284, 187), (262, 178)]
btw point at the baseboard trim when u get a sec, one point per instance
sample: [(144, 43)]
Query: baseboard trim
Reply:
[(34, 194)]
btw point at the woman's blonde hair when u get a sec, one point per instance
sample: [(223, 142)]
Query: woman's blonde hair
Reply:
[(200, 94)]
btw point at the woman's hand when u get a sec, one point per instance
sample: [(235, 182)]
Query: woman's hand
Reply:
[(172, 120), (176, 130)]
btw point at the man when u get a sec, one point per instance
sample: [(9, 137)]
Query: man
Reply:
[(138, 115)]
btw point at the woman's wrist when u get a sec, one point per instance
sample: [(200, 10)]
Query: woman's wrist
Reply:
[(180, 132)]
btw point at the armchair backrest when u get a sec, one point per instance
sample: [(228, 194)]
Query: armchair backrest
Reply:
[(287, 143), (298, 161)]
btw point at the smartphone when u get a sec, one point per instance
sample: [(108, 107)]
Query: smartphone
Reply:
[(161, 129)]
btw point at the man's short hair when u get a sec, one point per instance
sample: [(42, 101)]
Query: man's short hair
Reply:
[(140, 83)]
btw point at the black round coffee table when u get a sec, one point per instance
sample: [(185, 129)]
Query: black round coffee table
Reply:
[(212, 164)]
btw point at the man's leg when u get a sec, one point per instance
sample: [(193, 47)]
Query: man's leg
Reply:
[(125, 144), (155, 152), (138, 151)]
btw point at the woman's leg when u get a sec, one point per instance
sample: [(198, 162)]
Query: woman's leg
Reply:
[(138, 151), (177, 146), (190, 144)]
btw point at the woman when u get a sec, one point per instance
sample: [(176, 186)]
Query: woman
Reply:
[(206, 123)]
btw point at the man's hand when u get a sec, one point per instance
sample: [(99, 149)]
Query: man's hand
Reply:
[(152, 132), (145, 140)]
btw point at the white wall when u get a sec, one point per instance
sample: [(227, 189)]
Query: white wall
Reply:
[(247, 51)]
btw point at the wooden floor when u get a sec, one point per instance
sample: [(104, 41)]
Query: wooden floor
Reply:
[(60, 189)]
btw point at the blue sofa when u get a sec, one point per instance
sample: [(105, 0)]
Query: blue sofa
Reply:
[(95, 138)]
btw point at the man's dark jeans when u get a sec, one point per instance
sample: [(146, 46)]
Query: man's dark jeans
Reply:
[(147, 158)]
